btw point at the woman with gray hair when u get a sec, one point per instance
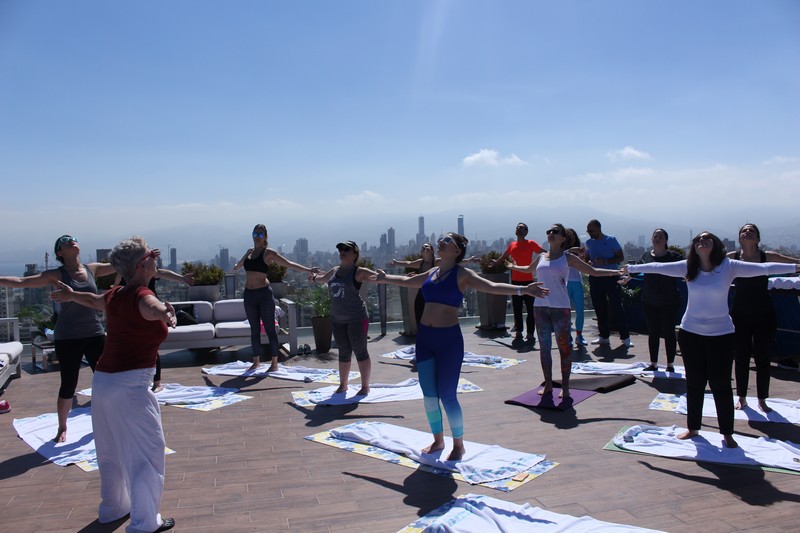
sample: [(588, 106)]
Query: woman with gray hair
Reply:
[(125, 414)]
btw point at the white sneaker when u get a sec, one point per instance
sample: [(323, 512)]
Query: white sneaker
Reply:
[(601, 340), (580, 341), (627, 343)]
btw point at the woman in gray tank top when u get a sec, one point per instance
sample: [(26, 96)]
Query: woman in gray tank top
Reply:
[(79, 330)]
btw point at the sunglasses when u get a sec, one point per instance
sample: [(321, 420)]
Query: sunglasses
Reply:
[(152, 253), (553, 231), (259, 235), (449, 240), (345, 249), (64, 240)]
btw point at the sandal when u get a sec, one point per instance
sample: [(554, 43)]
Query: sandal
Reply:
[(652, 368), (169, 523)]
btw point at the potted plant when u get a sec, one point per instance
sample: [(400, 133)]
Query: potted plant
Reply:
[(492, 307), (207, 279), (275, 274), (318, 299), (42, 318)]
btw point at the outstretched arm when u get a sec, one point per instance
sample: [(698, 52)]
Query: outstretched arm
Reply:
[(775, 257), (169, 275), (415, 263), (271, 255), (322, 279), (512, 265), (473, 280), (152, 309), (48, 277), (575, 262), (64, 293), (403, 281)]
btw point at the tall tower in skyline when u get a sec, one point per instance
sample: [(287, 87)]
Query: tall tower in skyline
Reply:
[(421, 232), (301, 250), (461, 224), (390, 241), (173, 259), (224, 259), (103, 254)]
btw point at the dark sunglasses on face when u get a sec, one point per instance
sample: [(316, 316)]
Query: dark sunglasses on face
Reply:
[(65, 239), (553, 231), (260, 235)]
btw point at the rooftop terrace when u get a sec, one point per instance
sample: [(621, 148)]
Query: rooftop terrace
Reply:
[(246, 467)]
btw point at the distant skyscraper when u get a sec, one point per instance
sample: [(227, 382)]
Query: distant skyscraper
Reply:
[(103, 255), (301, 250), (31, 269), (461, 224), (421, 231), (173, 259), (224, 259), (390, 241)]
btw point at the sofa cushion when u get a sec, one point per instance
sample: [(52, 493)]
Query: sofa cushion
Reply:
[(13, 349), (238, 328), (196, 332), (229, 311)]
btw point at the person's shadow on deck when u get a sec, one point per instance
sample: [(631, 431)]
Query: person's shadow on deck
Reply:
[(423, 490)]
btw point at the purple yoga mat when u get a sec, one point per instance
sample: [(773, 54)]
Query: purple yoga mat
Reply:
[(532, 398)]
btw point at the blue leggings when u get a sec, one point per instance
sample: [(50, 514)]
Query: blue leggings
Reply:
[(440, 352), (259, 306), (575, 291)]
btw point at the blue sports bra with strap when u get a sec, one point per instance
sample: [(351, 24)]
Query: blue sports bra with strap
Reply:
[(443, 290)]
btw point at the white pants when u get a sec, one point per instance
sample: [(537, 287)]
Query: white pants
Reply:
[(130, 448)]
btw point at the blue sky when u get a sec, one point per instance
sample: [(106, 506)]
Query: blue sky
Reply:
[(190, 121)]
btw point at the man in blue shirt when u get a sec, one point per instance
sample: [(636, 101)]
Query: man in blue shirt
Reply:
[(605, 252)]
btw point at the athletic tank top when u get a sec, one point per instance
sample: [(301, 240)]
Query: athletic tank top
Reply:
[(752, 294), (443, 290), (346, 302), (74, 320), (256, 264), (553, 275)]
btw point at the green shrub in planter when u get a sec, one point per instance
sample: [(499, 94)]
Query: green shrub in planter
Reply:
[(203, 274)]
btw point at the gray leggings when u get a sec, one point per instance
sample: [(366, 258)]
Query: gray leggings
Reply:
[(259, 305)]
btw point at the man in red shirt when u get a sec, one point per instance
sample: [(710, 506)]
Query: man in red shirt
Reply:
[(522, 250)]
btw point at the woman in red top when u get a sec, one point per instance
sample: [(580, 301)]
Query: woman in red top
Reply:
[(125, 415)]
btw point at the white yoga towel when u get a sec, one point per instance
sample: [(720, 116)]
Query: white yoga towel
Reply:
[(783, 411), (38, 433), (378, 393), (177, 394), (709, 447), (476, 513), (470, 359), (480, 464), (292, 373), (635, 369)]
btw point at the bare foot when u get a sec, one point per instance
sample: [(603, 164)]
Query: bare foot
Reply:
[(762, 404), (546, 391), (564, 393), (61, 436), (688, 434), (272, 368), (341, 389), (456, 454), (435, 447), (157, 387), (729, 442), (256, 363), (741, 404), (363, 392)]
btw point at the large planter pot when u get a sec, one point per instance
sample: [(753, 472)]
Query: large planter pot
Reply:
[(492, 307), (278, 289), (407, 297), (322, 326), (206, 293)]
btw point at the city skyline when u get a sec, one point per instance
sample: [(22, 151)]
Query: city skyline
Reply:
[(336, 121)]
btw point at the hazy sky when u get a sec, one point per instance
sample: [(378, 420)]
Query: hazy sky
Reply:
[(190, 121)]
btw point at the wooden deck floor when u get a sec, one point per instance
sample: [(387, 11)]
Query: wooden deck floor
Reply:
[(246, 467)]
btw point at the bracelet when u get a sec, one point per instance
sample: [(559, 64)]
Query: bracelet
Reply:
[(519, 291)]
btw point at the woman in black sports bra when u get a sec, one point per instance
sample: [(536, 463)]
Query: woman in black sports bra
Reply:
[(259, 302)]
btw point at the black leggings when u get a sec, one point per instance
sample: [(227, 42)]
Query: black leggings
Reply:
[(754, 335), (70, 353), (259, 306), (661, 325), (516, 304), (708, 360)]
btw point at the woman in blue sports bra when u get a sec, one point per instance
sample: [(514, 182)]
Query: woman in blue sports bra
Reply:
[(259, 302), (440, 345)]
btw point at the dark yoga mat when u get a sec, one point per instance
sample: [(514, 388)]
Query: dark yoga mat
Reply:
[(532, 398), (598, 383)]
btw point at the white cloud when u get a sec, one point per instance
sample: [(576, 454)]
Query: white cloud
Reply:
[(629, 152), (780, 160), (486, 157), (364, 198)]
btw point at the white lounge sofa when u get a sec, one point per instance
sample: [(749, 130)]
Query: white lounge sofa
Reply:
[(224, 323), (10, 354)]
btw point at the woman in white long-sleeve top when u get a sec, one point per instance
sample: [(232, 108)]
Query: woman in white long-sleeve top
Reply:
[(706, 335)]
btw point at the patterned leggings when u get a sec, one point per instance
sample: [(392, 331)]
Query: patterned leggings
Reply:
[(548, 321)]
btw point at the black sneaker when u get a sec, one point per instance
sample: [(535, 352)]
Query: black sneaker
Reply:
[(787, 363)]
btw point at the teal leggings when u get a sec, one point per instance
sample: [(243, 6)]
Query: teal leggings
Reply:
[(440, 352)]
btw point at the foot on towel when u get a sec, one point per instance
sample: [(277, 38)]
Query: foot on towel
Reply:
[(670, 369), (457, 454), (341, 389), (157, 387), (254, 366), (363, 392), (762, 404), (273, 368), (741, 403), (652, 368), (688, 434), (61, 436), (169, 523), (435, 447), (729, 442)]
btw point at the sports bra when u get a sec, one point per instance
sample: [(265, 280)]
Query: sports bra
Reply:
[(443, 290), (255, 265)]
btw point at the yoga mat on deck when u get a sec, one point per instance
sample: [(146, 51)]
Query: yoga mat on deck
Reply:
[(483, 514), (598, 383), (767, 454), (532, 398), (379, 392), (395, 444)]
